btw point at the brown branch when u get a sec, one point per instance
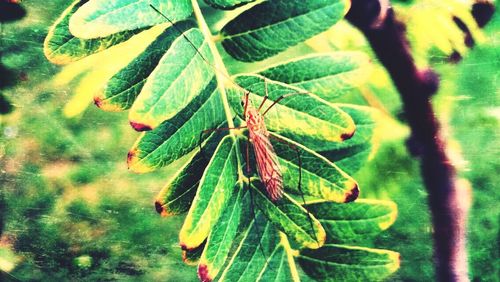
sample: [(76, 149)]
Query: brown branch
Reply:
[(446, 193)]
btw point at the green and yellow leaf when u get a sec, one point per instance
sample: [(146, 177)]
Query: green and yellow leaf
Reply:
[(273, 26), (180, 76), (61, 47), (328, 75), (122, 89), (223, 234), (178, 136), (302, 117), (347, 263), (290, 218), (351, 222), (214, 192), (101, 18), (320, 178)]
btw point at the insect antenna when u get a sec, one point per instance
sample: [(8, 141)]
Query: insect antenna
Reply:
[(196, 48), (300, 187)]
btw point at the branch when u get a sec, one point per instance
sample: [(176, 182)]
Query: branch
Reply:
[(448, 196)]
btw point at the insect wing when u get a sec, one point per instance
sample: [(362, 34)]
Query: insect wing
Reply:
[(268, 165)]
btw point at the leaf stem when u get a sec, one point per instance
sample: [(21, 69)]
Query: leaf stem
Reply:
[(218, 63), (221, 75)]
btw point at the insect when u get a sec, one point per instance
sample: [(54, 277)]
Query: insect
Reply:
[(267, 161)]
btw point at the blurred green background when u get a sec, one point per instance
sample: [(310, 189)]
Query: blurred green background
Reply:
[(71, 210)]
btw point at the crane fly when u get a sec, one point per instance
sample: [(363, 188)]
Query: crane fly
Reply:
[(267, 161)]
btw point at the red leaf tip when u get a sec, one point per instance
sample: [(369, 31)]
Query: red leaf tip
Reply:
[(130, 156), (203, 273), (140, 126), (352, 195), (98, 101), (158, 207), (347, 136)]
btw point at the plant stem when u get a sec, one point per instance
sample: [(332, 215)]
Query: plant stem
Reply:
[(221, 75), (446, 193), (220, 70)]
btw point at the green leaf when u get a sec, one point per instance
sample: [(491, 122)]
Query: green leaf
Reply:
[(347, 263), (351, 222), (320, 178), (303, 117), (351, 154), (327, 75), (227, 4), (258, 254), (177, 195), (291, 218), (179, 77), (180, 135), (100, 18), (216, 187), (273, 26), (62, 47), (222, 235), (123, 88)]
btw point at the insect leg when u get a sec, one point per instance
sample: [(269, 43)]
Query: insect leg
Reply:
[(299, 159), (200, 140), (266, 96), (281, 98), (248, 158)]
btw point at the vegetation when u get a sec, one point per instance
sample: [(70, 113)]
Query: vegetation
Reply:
[(73, 211)]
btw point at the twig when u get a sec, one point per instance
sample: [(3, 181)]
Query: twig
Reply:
[(448, 196)]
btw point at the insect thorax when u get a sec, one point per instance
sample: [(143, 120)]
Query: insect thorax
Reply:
[(255, 122)]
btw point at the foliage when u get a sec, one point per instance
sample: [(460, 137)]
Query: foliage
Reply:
[(64, 178), (175, 86)]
